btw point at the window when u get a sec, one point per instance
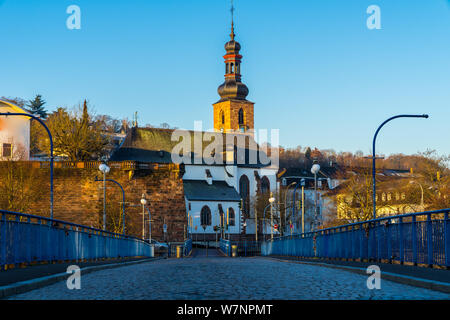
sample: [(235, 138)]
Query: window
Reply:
[(222, 117), (265, 185), (7, 150), (231, 217), (205, 216), (244, 192), (232, 67), (241, 116)]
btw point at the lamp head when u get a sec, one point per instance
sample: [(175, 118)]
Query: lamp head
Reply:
[(315, 168), (143, 200), (103, 168), (271, 199)]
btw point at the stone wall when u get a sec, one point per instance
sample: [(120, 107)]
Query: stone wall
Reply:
[(78, 198)]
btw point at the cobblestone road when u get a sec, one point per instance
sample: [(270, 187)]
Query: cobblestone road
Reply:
[(227, 278)]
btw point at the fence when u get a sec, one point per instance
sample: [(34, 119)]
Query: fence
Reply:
[(28, 238), (244, 248), (417, 238)]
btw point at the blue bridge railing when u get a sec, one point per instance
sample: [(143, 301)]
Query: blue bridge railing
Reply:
[(26, 238), (187, 247), (225, 247), (417, 238)]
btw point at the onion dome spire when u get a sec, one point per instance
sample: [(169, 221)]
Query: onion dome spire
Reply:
[(232, 88)]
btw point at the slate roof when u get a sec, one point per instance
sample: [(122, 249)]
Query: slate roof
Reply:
[(200, 190), (155, 145)]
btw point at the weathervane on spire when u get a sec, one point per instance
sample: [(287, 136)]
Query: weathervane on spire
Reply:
[(232, 21)]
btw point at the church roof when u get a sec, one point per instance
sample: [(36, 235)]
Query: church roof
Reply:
[(200, 190), (156, 145)]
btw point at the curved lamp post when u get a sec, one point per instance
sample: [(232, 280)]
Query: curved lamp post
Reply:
[(314, 170), (421, 198), (104, 169), (123, 200), (374, 157), (51, 150)]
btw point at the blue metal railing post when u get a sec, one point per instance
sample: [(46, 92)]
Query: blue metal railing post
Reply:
[(401, 247), (388, 242), (414, 239), (2, 240), (429, 240), (447, 239)]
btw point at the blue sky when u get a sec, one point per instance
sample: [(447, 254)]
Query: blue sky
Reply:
[(313, 68)]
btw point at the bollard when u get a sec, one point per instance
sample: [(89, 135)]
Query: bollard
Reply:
[(234, 250), (178, 251)]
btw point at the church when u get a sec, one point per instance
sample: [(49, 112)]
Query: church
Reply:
[(222, 171)]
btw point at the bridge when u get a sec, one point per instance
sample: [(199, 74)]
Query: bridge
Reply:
[(412, 252)]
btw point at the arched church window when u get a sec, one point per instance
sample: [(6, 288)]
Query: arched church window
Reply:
[(222, 117), (205, 216), (232, 67), (265, 185), (231, 217), (244, 192), (241, 116)]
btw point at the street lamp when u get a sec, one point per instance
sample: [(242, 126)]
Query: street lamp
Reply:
[(271, 201), (374, 157), (143, 202), (123, 201), (104, 169), (421, 198), (314, 170)]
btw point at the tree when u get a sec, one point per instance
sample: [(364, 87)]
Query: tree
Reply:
[(354, 198), (17, 101), (36, 107), (20, 185), (75, 135)]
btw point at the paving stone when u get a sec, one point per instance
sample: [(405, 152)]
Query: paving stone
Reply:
[(227, 278)]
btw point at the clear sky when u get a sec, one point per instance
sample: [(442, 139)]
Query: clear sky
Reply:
[(313, 68)]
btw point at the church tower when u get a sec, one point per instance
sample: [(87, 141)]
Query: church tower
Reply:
[(233, 113)]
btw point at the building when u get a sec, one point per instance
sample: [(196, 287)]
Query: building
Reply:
[(222, 171), (14, 133)]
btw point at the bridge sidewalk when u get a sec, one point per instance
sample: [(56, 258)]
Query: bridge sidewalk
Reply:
[(20, 274), (432, 278)]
